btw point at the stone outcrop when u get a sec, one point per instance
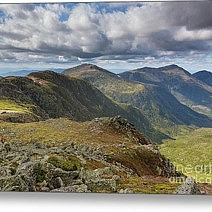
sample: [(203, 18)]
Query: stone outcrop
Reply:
[(82, 166), (27, 168), (188, 187)]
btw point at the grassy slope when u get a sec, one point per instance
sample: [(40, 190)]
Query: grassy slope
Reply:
[(192, 150), (12, 111), (56, 132), (52, 95), (8, 105)]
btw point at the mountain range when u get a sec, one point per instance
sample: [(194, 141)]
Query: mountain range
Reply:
[(22, 73), (179, 82), (88, 91), (153, 97)]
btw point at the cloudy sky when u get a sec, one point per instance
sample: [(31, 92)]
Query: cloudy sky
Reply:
[(116, 36)]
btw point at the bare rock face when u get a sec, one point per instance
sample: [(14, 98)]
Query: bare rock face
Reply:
[(189, 187)]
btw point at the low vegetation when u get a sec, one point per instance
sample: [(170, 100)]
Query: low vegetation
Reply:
[(148, 185), (9, 105), (67, 163)]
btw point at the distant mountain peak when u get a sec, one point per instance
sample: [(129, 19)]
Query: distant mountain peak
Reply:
[(174, 67), (88, 65), (203, 71), (204, 76), (87, 68)]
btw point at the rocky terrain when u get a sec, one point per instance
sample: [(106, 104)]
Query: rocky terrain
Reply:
[(189, 187), (114, 157)]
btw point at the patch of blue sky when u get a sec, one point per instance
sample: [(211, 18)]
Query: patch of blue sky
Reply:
[(70, 6), (2, 13), (64, 17), (107, 7), (2, 17), (112, 7)]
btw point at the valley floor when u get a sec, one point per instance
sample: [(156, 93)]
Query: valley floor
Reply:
[(191, 153)]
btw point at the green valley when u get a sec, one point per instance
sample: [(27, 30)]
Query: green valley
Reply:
[(192, 154)]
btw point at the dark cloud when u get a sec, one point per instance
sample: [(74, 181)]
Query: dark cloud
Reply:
[(193, 15), (164, 41)]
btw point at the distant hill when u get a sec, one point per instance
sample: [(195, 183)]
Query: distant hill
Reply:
[(22, 73), (47, 94), (204, 76), (159, 106), (184, 86)]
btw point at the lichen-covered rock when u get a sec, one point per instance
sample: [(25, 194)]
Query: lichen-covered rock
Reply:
[(13, 183), (75, 188), (126, 191), (102, 185), (64, 178), (56, 183), (189, 187), (96, 182), (5, 171)]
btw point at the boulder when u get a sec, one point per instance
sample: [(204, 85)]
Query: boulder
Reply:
[(96, 182), (126, 191), (189, 187), (58, 178)]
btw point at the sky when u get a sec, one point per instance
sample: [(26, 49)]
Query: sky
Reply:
[(115, 36)]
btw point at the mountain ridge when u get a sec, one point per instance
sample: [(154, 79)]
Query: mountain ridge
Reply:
[(47, 94), (186, 88)]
